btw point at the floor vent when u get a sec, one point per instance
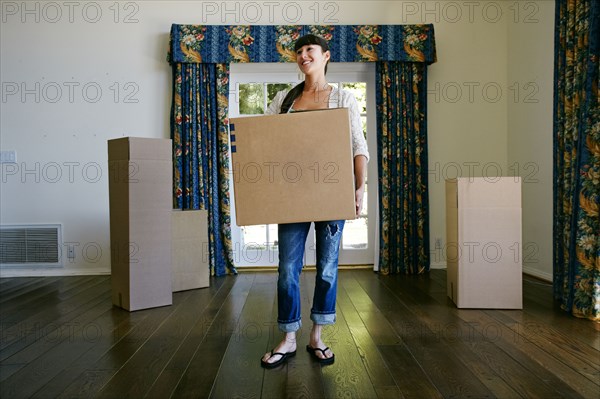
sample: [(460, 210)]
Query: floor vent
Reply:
[(31, 245)]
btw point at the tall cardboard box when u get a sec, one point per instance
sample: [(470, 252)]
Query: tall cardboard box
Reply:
[(140, 198), (190, 257), (295, 167), (484, 242)]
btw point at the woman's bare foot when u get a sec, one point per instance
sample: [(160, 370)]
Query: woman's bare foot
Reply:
[(324, 352), (315, 342), (288, 345)]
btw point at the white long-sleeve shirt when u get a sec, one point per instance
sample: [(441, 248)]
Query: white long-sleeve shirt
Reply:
[(337, 99)]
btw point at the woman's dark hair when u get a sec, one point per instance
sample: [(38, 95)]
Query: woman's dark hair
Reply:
[(297, 90), (311, 39)]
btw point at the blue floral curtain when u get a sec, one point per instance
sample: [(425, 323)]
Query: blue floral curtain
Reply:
[(199, 55), (275, 43), (577, 158), (200, 144), (403, 188)]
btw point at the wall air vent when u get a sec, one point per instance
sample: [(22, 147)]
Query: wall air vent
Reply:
[(31, 245)]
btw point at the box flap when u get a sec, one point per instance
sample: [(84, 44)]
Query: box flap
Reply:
[(483, 192), (132, 148)]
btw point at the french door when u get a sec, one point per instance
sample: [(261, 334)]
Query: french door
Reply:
[(252, 87)]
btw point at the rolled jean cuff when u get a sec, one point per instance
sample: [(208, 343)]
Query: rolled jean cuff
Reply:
[(290, 327), (323, 318)]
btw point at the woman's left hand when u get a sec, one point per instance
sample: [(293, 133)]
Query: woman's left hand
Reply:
[(360, 171), (358, 195)]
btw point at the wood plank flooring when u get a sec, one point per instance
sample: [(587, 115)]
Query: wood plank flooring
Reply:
[(395, 337)]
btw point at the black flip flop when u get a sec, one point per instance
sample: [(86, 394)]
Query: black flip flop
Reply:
[(313, 353), (284, 358)]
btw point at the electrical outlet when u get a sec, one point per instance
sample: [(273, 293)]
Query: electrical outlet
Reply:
[(438, 242), (71, 252)]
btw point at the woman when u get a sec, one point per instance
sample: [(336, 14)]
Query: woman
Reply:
[(312, 56)]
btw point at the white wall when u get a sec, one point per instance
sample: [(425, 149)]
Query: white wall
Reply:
[(470, 122), (531, 66), (466, 106)]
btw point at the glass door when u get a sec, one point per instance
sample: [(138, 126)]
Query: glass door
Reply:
[(252, 88), (358, 240)]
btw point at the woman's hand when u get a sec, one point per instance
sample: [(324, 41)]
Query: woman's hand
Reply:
[(360, 171), (359, 194)]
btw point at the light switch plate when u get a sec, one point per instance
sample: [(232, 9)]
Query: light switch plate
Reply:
[(9, 156)]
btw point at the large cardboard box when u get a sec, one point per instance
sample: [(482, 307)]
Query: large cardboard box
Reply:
[(295, 167), (140, 198), (190, 257), (484, 242)]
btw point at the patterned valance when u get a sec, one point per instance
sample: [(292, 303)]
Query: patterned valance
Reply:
[(275, 43)]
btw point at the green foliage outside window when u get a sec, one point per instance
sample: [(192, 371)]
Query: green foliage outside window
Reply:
[(273, 88), (251, 99)]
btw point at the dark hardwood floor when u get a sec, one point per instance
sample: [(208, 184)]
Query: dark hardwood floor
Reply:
[(395, 337)]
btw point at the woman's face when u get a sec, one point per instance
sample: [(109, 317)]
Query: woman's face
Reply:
[(311, 58)]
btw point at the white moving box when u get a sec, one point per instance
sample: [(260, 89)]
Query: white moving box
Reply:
[(141, 202), (190, 255), (484, 242)]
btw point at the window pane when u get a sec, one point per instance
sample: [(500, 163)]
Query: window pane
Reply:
[(359, 89), (273, 237), (364, 124), (356, 233), (251, 103), (273, 88), (251, 99), (254, 236), (365, 209)]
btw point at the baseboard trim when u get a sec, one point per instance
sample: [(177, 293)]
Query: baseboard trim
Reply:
[(437, 266), (249, 269), (530, 271), (7, 273)]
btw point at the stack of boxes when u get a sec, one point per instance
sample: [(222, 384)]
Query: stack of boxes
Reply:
[(146, 263)]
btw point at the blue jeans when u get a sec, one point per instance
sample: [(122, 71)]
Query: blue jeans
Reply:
[(292, 237)]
